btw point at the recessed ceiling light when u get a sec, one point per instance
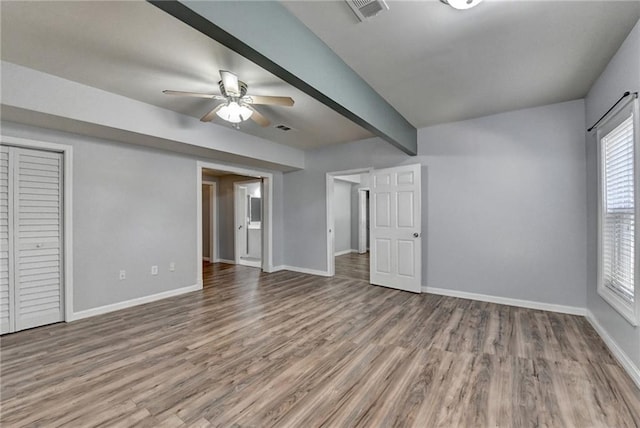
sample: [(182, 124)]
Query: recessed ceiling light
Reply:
[(461, 4)]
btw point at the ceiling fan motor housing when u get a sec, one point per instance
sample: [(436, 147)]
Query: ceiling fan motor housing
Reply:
[(241, 85)]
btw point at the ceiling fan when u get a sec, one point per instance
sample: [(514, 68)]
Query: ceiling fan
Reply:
[(237, 106)]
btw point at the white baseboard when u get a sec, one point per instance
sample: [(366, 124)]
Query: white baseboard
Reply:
[(133, 302), (343, 252), (572, 310), (229, 262), (627, 364), (301, 270), (250, 263), (206, 259)]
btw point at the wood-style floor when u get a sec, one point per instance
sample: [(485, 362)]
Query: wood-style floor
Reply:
[(355, 266), (293, 350)]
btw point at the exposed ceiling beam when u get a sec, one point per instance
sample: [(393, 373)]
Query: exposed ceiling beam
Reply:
[(269, 35)]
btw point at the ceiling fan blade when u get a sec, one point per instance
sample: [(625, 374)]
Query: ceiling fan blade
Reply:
[(193, 94), (212, 114), (276, 101), (258, 118), (230, 82)]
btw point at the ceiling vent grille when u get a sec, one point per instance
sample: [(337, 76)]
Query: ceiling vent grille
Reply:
[(283, 127), (365, 9)]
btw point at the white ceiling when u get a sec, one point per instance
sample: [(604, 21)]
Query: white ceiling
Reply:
[(435, 64), (432, 63), (136, 50)]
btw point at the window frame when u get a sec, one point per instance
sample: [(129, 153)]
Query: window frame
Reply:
[(629, 310)]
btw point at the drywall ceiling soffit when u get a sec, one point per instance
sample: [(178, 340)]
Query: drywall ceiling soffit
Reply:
[(353, 178), (102, 44), (267, 34), (435, 64)]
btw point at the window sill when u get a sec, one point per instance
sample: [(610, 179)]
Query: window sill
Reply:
[(624, 308)]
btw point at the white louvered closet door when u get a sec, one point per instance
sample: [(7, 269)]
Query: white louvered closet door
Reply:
[(37, 237), (6, 295)]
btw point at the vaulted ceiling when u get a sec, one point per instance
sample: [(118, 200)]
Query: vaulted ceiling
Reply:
[(435, 64), (432, 63)]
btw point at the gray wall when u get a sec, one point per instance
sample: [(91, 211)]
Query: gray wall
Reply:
[(364, 183), (503, 203), (342, 215), (304, 211), (622, 74), (505, 198), (206, 222), (128, 213), (354, 217), (206, 219)]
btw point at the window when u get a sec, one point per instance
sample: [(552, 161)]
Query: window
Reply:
[(618, 142)]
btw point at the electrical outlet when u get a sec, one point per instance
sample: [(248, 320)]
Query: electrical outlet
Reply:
[(172, 266), (123, 275), (154, 270)]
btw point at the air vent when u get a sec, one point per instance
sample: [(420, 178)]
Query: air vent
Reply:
[(365, 9), (284, 128)]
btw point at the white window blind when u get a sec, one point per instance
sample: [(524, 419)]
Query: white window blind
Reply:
[(618, 199)]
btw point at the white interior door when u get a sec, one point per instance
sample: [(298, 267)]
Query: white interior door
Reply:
[(241, 222), (396, 249), (31, 227), (37, 226), (6, 292)]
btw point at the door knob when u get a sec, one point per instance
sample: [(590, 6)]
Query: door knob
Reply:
[(416, 234)]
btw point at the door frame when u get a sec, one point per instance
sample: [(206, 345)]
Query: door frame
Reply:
[(236, 201), (67, 198), (330, 225), (213, 216), (362, 219), (267, 204)]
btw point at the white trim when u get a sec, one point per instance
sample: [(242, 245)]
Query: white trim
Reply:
[(342, 253), (530, 304), (330, 224), (133, 302), (236, 201), (226, 261), (213, 216), (199, 255), (627, 364), (249, 263), (67, 155), (301, 270), (267, 233), (239, 218), (206, 259), (363, 192), (630, 311)]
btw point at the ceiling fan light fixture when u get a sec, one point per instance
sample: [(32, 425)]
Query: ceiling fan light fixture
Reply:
[(461, 4), (234, 112)]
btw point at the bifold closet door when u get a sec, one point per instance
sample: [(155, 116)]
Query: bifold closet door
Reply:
[(37, 237), (6, 295), (32, 238)]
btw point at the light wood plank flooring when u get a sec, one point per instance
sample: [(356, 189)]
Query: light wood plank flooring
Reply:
[(353, 265), (293, 350)]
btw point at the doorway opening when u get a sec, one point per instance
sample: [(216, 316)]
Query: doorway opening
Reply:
[(248, 222), (348, 224), (395, 225), (234, 217)]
